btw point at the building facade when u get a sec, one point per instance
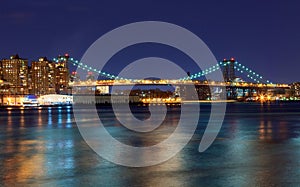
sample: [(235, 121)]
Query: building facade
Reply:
[(42, 77), (15, 71), (295, 89)]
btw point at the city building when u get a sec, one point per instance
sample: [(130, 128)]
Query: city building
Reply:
[(15, 71), (42, 77), (295, 89)]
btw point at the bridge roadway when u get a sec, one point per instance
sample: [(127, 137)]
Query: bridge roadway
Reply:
[(177, 83)]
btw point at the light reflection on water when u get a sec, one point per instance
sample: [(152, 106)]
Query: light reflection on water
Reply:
[(258, 145)]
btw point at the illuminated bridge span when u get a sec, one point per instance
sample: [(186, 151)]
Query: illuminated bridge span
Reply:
[(175, 82), (252, 75), (232, 87)]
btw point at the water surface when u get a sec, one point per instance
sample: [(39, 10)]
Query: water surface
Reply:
[(258, 145)]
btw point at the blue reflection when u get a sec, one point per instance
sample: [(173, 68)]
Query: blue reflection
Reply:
[(69, 121), (49, 120)]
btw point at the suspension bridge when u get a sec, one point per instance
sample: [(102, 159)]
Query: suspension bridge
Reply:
[(255, 86), (256, 78)]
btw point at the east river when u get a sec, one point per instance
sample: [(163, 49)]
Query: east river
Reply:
[(258, 145)]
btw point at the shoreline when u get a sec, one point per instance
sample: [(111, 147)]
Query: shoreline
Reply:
[(43, 107)]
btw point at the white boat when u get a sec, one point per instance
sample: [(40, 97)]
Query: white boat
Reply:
[(30, 101)]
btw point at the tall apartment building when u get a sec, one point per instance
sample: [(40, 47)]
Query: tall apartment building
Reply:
[(15, 71), (42, 77)]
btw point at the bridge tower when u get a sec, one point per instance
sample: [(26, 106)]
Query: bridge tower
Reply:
[(228, 70), (62, 74)]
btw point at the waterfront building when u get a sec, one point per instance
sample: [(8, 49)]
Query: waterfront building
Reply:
[(15, 71), (42, 77), (295, 89)]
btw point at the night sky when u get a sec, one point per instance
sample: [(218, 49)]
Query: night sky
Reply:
[(263, 35)]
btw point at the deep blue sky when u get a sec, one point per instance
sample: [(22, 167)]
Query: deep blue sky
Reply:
[(264, 35)]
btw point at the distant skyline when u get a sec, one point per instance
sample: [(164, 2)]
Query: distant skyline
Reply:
[(262, 35)]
